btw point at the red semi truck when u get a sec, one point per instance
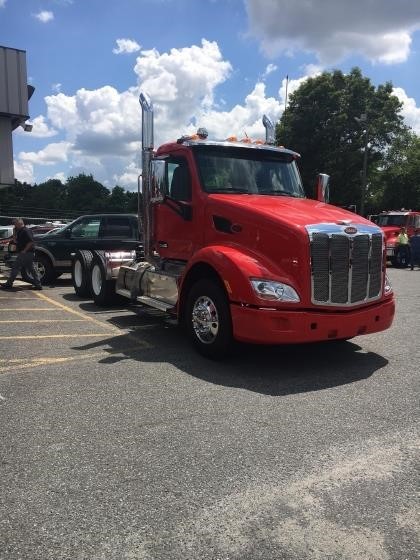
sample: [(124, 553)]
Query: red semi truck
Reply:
[(234, 249), (391, 222)]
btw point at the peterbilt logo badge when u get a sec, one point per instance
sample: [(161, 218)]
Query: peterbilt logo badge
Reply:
[(351, 230)]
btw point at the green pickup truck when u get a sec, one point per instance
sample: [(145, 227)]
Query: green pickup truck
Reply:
[(70, 249)]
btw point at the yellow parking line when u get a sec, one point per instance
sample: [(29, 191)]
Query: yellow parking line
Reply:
[(36, 336), (70, 310), (35, 362), (44, 321), (18, 298), (29, 309)]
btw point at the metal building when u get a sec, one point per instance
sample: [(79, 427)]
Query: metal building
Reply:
[(14, 95)]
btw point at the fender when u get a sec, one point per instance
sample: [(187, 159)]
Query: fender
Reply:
[(234, 266), (53, 260)]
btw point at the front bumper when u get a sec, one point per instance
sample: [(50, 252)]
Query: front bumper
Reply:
[(391, 251), (268, 326)]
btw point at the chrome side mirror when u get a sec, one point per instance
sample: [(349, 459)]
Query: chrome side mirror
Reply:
[(322, 188), (157, 180)]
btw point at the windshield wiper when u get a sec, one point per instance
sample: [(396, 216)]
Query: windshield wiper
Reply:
[(228, 190), (280, 193)]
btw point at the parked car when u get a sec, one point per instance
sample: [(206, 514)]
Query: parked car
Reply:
[(6, 235), (54, 251), (41, 229), (49, 232)]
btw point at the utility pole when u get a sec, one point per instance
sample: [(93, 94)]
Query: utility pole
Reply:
[(287, 87), (362, 120), (364, 172)]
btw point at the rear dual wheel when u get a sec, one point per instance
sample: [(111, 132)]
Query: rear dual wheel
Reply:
[(103, 290), (80, 273)]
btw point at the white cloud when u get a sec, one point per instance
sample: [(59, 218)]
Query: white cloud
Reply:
[(60, 176), (101, 122), (127, 46), (311, 71), (269, 70), (409, 111), (242, 120), (128, 177), (50, 155), (379, 30), (24, 172), (56, 88), (183, 78), (102, 128), (44, 16), (2, 3), (41, 128)]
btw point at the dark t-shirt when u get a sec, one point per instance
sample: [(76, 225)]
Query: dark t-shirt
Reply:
[(23, 237)]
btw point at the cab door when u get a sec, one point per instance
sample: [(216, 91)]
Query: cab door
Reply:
[(175, 219)]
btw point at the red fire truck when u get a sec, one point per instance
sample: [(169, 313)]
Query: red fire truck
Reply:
[(391, 222), (235, 251)]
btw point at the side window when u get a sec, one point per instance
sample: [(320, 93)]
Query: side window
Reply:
[(179, 182), (417, 222), (117, 227), (86, 228), (411, 220)]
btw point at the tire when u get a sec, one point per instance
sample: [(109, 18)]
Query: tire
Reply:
[(46, 271), (102, 290), (80, 273), (207, 319)]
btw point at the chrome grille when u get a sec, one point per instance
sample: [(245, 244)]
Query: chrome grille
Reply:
[(346, 269)]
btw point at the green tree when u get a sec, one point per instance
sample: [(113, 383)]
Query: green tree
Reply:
[(328, 120), (84, 194), (50, 196), (400, 176), (132, 204), (118, 200)]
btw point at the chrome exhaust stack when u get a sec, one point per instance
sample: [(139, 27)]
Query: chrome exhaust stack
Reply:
[(145, 221), (269, 130)]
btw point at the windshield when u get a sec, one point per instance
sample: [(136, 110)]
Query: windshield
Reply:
[(245, 171), (53, 231), (391, 220)]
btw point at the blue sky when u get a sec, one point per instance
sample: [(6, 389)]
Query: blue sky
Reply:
[(214, 63)]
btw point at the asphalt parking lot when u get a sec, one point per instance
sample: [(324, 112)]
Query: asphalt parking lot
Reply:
[(119, 442)]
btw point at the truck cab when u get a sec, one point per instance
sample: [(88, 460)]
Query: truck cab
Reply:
[(235, 250), (391, 223)]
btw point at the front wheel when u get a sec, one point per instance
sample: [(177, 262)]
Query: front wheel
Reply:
[(45, 269), (208, 320)]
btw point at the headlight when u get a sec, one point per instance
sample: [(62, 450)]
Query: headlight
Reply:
[(387, 286), (274, 291)]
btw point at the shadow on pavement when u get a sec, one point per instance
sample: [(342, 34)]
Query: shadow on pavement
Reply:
[(270, 370)]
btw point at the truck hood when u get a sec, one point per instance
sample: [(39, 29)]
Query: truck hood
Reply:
[(271, 230), (287, 210)]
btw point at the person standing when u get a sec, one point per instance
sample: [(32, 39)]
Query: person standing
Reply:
[(403, 247), (415, 249), (25, 258)]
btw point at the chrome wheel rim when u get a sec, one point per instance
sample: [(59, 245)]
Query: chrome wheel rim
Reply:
[(40, 269), (78, 273), (205, 320), (96, 280)]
